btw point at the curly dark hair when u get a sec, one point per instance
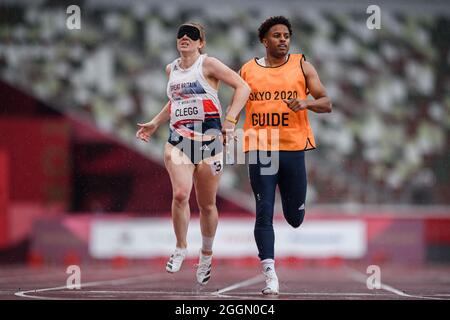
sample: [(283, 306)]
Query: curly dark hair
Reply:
[(270, 22)]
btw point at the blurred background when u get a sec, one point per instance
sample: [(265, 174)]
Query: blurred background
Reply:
[(76, 185)]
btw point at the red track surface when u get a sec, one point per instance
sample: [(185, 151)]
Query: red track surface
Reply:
[(150, 282)]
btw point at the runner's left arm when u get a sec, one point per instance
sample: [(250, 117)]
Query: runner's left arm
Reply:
[(221, 72)]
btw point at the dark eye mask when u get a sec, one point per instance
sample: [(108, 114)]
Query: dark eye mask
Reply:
[(191, 31)]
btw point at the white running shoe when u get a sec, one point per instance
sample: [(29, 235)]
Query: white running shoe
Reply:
[(204, 268), (176, 260), (272, 286)]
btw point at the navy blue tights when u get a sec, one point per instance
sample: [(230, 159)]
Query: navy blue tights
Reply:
[(291, 180)]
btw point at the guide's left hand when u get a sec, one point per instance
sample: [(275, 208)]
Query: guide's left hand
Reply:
[(296, 104)]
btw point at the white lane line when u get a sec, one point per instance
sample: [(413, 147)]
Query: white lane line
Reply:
[(213, 293), (159, 292), (312, 295), (362, 278), (241, 284), (29, 293)]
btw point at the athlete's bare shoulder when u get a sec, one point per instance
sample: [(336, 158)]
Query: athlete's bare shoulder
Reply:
[(168, 68), (213, 66), (308, 68), (211, 62)]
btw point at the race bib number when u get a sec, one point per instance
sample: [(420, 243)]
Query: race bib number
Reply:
[(216, 166), (187, 110)]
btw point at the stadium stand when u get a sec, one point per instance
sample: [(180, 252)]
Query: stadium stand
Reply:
[(387, 141)]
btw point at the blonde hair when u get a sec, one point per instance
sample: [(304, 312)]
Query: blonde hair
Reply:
[(202, 32)]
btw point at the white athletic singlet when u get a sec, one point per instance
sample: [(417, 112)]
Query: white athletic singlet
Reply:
[(194, 104)]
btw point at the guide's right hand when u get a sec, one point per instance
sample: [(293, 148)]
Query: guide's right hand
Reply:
[(146, 130)]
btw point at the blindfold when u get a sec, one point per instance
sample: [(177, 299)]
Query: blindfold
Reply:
[(191, 31)]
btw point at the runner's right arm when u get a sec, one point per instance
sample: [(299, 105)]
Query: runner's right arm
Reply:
[(146, 130)]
